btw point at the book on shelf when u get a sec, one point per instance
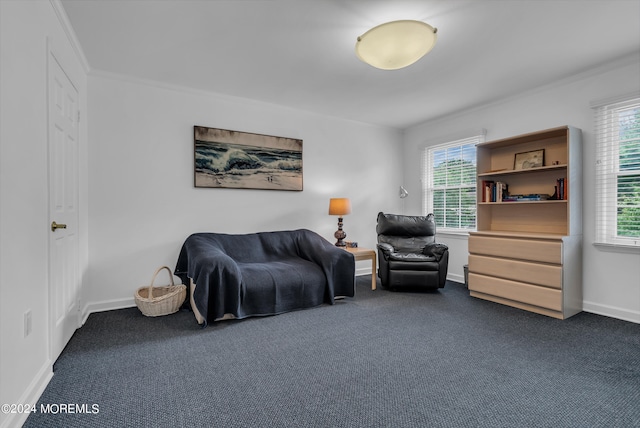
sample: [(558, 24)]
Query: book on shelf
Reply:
[(560, 192), (502, 191), (526, 198), (493, 191), (486, 190)]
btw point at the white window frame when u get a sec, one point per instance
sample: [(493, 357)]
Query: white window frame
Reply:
[(428, 187), (608, 172)]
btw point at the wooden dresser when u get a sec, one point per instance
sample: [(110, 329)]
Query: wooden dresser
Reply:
[(527, 251)]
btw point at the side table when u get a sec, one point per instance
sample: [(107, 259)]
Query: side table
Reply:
[(366, 254)]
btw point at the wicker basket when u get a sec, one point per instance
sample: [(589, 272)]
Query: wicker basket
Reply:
[(157, 301)]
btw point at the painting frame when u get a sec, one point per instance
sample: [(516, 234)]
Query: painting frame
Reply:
[(231, 159), (528, 160)]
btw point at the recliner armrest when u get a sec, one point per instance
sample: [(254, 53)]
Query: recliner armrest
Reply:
[(386, 248), (435, 250)]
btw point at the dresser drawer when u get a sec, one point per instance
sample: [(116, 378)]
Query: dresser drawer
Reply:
[(516, 248), (543, 297), (535, 273)]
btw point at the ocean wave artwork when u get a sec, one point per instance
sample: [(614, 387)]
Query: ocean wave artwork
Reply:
[(233, 159)]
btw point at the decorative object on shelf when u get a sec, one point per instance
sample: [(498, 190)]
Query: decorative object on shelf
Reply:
[(339, 207), (403, 193), (397, 44), (242, 160), (526, 160), (352, 244)]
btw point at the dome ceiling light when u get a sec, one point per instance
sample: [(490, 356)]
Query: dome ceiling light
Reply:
[(396, 44)]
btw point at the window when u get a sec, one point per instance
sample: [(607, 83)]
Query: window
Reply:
[(617, 126), (449, 183)]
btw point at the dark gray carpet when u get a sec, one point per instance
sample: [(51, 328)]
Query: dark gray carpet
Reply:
[(381, 359)]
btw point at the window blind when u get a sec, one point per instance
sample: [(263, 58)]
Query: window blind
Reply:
[(617, 131), (449, 183)]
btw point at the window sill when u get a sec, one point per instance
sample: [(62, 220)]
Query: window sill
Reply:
[(617, 248), (454, 233)]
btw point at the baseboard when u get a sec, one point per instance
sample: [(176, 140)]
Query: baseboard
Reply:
[(110, 305), (594, 308), (450, 277), (107, 305), (31, 395), (455, 278), (363, 271), (611, 311)]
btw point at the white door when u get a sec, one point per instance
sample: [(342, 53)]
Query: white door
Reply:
[(63, 208)]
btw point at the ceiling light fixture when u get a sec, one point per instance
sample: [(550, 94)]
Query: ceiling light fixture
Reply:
[(396, 44)]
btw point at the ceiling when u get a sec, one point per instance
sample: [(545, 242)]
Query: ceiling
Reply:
[(300, 53)]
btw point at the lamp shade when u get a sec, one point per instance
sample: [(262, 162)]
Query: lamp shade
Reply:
[(396, 44), (339, 206)]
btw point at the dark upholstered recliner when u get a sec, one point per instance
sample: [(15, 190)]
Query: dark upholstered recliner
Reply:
[(408, 254)]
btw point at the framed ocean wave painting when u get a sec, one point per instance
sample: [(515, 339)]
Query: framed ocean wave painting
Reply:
[(242, 160)]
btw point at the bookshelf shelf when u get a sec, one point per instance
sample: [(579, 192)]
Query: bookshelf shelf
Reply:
[(527, 253), (507, 172), (561, 201)]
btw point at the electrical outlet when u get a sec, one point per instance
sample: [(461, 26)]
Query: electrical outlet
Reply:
[(27, 323)]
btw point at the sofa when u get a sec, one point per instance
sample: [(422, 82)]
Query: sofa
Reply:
[(265, 273)]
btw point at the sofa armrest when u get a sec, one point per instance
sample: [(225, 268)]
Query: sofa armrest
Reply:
[(337, 264)]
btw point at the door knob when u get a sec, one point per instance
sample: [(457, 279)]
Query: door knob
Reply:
[(55, 226)]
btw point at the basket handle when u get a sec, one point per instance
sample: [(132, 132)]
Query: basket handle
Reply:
[(153, 278)]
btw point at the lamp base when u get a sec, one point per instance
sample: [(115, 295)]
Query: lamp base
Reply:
[(340, 234)]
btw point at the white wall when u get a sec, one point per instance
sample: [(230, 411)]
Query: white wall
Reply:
[(611, 279), (143, 203), (26, 31), (138, 202)]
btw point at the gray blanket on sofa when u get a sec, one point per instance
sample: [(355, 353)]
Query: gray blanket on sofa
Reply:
[(263, 273)]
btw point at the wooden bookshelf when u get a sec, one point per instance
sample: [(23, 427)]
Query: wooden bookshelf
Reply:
[(526, 252)]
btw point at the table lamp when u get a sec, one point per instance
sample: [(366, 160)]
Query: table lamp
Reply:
[(339, 207)]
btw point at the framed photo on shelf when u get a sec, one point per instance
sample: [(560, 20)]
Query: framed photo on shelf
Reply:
[(528, 160)]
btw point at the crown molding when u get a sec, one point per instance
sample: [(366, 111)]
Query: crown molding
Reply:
[(61, 14), (624, 61)]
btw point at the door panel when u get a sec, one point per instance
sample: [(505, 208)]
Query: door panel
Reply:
[(63, 207)]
